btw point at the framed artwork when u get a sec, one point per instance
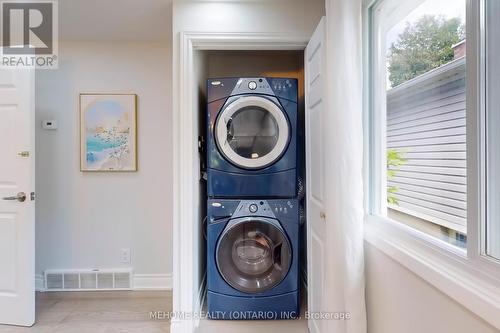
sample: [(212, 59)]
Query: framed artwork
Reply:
[(108, 132)]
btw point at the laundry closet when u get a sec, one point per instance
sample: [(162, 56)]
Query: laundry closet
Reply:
[(251, 235), (275, 42)]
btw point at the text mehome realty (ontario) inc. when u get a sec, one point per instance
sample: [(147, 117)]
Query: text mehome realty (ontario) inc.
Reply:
[(248, 315)]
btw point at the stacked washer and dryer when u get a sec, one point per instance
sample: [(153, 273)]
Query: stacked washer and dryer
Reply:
[(253, 198)]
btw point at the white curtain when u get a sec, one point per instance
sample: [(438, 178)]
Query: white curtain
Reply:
[(345, 188)]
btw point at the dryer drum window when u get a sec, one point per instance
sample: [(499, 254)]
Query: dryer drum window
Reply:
[(253, 255), (252, 132)]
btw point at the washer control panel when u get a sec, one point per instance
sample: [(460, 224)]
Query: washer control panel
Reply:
[(231, 209), (253, 208), (283, 208)]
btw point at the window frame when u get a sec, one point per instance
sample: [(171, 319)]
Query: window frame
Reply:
[(484, 142), (470, 276)]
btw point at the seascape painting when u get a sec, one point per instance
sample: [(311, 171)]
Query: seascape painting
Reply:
[(108, 132)]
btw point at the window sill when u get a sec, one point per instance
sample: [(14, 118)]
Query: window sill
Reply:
[(440, 264)]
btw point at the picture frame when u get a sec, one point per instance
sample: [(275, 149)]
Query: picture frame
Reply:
[(108, 132)]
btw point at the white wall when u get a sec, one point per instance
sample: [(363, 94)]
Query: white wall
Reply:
[(84, 219), (399, 301), (288, 16)]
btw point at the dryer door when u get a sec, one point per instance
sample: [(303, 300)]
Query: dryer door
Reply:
[(252, 132), (253, 254)]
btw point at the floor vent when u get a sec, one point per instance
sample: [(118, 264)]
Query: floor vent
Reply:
[(88, 280)]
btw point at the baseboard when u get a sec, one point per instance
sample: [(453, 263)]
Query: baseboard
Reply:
[(152, 282), (39, 282), (139, 282)]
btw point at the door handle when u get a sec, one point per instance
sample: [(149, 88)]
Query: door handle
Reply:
[(21, 197)]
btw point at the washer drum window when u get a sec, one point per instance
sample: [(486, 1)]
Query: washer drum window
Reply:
[(253, 254)]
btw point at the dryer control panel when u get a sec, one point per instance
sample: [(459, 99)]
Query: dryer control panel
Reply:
[(255, 85), (286, 88)]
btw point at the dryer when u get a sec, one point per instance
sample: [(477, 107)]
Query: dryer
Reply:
[(252, 259), (252, 137)]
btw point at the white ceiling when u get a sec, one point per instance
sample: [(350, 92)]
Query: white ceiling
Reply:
[(115, 20)]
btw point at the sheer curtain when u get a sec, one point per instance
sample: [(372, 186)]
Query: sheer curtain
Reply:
[(345, 190)]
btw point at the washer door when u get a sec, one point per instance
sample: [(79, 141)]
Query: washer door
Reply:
[(253, 254), (252, 132)]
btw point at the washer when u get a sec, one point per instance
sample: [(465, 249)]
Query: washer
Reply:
[(252, 259), (252, 137)]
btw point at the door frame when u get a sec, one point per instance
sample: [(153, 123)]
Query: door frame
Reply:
[(187, 298)]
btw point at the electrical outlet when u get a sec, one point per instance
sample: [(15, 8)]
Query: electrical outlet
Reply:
[(125, 256)]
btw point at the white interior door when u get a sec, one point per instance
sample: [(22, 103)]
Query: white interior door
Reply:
[(315, 67), (17, 209)]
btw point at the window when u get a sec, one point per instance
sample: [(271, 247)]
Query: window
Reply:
[(433, 143), (492, 129), (420, 115)]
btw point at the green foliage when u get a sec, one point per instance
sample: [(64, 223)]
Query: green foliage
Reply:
[(394, 159), (391, 199), (423, 46)]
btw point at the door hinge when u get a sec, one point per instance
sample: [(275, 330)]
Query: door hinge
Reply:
[(32, 196), (24, 154), (201, 144)]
